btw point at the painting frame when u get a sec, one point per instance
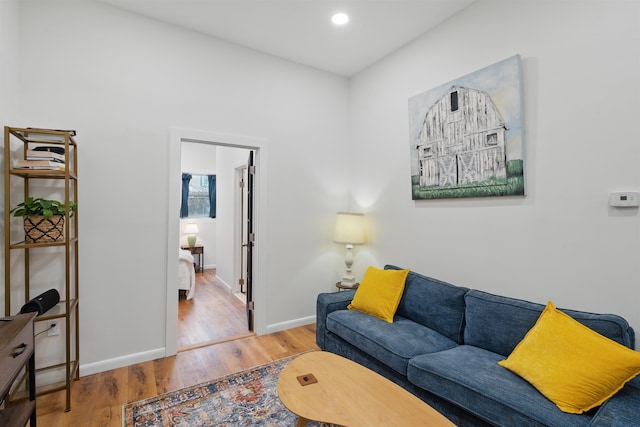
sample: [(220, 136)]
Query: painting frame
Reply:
[(467, 135)]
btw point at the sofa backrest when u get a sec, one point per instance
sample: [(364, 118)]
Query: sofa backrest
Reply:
[(498, 323), (433, 303)]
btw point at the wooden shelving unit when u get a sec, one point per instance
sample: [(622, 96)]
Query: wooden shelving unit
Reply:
[(67, 310)]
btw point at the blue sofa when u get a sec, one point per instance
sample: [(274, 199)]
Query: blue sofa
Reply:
[(444, 346)]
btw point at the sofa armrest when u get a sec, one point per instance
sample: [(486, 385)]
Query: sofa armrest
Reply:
[(622, 410), (325, 304)]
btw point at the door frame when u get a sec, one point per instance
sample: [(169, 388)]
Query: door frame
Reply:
[(260, 145)]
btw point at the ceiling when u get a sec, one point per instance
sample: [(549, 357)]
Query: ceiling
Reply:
[(301, 31)]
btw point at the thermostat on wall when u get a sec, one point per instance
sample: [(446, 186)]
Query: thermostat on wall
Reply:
[(624, 200)]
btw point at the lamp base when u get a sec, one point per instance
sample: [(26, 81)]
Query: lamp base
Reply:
[(191, 240)]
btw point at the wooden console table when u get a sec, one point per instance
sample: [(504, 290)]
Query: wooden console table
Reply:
[(16, 353)]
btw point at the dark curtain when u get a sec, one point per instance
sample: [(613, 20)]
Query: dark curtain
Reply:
[(212, 196), (184, 206)]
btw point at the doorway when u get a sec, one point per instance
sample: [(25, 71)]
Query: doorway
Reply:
[(213, 308), (226, 238)]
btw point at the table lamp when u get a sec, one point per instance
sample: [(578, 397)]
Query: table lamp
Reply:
[(191, 230), (349, 231)]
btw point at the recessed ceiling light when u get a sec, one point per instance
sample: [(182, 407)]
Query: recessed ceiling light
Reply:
[(340, 18)]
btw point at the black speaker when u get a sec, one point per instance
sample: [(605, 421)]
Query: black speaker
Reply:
[(42, 302)]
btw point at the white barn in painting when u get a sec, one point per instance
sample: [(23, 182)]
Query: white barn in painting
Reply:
[(462, 140)]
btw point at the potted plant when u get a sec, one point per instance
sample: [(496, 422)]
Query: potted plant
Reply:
[(43, 219)]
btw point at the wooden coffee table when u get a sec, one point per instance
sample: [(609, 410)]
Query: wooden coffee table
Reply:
[(350, 395)]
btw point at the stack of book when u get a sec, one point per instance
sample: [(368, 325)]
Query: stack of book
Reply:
[(47, 158)]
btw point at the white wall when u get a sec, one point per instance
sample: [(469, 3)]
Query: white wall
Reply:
[(201, 159), (8, 54), (8, 73), (561, 242), (8, 80), (227, 245), (122, 81)]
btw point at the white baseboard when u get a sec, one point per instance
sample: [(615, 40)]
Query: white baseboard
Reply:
[(224, 283), (277, 327), (131, 359), (119, 362)]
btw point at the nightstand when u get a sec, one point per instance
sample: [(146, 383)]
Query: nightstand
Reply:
[(196, 250)]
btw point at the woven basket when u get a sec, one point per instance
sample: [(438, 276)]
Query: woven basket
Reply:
[(37, 229)]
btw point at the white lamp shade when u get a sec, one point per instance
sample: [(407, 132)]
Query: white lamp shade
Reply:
[(191, 229), (349, 228)]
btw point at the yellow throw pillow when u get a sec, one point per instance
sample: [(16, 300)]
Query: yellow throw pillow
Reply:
[(573, 366), (379, 293)]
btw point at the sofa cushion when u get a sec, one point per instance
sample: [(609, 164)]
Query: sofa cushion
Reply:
[(498, 323), (471, 378), (623, 410), (379, 293), (393, 344), (435, 304), (574, 366)]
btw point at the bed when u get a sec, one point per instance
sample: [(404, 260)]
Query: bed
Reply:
[(186, 273)]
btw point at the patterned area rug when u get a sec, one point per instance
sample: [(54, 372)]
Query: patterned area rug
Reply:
[(246, 398)]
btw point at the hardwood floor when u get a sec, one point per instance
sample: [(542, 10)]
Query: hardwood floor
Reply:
[(213, 314), (97, 399)]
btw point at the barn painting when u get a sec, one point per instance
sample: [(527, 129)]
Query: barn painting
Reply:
[(467, 136)]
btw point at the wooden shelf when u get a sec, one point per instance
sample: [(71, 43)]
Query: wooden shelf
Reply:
[(43, 173), (58, 311), (23, 245), (20, 412), (43, 136)]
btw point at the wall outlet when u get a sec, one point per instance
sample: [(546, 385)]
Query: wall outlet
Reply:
[(55, 330)]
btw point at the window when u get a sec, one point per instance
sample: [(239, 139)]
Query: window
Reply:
[(198, 200), (198, 196), (492, 139), (454, 101)]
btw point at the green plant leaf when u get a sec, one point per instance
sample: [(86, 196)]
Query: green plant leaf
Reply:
[(44, 207)]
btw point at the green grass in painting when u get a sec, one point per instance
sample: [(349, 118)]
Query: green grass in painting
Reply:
[(515, 167), (513, 185)]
